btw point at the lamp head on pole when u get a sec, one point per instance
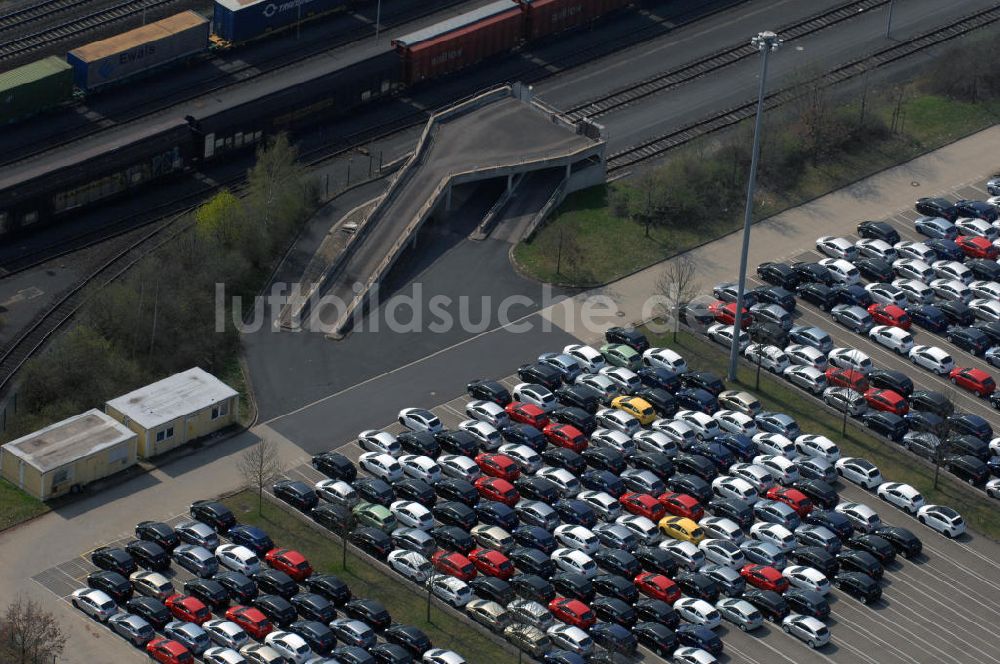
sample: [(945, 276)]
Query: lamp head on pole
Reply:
[(766, 40)]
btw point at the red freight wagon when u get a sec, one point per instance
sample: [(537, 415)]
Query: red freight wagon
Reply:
[(461, 41), (546, 17)]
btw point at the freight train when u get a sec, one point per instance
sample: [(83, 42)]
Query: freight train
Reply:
[(43, 191)]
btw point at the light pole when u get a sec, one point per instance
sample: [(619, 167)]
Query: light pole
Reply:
[(765, 42), (378, 19), (888, 20)]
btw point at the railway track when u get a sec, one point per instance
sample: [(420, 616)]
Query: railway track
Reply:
[(656, 147), (19, 18)]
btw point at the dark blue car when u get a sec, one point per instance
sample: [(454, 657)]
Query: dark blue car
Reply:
[(928, 317), (946, 250), (661, 378), (252, 538), (695, 398), (718, 453), (970, 424), (524, 434), (535, 537), (699, 636), (740, 445), (776, 295), (603, 480), (494, 513), (614, 638), (576, 512), (853, 294)]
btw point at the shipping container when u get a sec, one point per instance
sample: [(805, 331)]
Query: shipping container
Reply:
[(547, 17), (461, 41), (238, 21), (138, 51), (34, 88)]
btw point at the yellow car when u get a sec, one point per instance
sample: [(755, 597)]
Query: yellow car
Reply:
[(682, 528), (638, 408)]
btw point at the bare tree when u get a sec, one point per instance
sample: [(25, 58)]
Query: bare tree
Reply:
[(259, 466), (677, 285), (29, 634)]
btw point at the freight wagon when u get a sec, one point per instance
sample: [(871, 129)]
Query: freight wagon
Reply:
[(547, 17), (34, 88), (239, 21)]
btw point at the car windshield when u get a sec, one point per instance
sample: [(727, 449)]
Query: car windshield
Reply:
[(252, 560)]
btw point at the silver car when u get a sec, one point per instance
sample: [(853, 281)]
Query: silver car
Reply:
[(196, 559), (132, 628), (198, 533), (740, 612), (806, 628)]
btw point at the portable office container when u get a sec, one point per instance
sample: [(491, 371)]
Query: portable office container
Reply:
[(239, 21), (547, 17), (34, 88)]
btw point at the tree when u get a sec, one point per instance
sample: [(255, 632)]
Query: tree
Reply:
[(29, 634), (259, 466), (648, 205), (278, 191), (677, 285), (222, 219)]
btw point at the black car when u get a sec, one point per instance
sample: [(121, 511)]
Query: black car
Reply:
[(492, 588), (276, 582), (773, 606), (923, 444), (560, 457), (631, 337), (776, 295), (603, 480), (318, 637), (352, 655), (151, 610), (605, 458), (240, 587), (875, 270), (330, 587), (417, 490), (409, 637), (452, 538), (537, 488), (807, 603), (562, 657), (543, 374), (778, 274), (714, 451), (970, 445), (114, 584), (277, 609), (818, 294), (873, 544), (816, 556), (736, 510), (535, 537), (534, 587), (373, 490), (970, 339), (658, 463), (699, 636), (612, 609), (808, 271), (967, 468), (659, 377), (576, 512), (854, 294), (878, 230), (903, 540), (313, 606), (252, 538), (976, 210), (614, 638), (297, 494), (494, 513), (859, 585), (452, 513), (455, 490), (658, 611), (697, 399), (391, 653), (574, 586), (148, 555), (768, 333), (617, 561), (695, 464), (458, 442), (694, 584), (703, 380), (956, 313), (821, 493), (890, 425), (983, 269), (335, 518), (159, 532), (488, 390), (656, 560), (937, 207), (579, 396), (854, 560), (662, 401), (692, 485), (888, 379), (335, 466), (372, 541), (973, 425), (213, 513), (532, 561), (370, 611), (617, 586), (658, 638), (524, 434), (419, 442), (928, 317), (211, 593), (835, 521)]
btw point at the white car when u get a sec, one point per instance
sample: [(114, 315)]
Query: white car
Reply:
[(851, 358), (769, 357), (837, 247), (220, 655), (421, 467), (887, 294), (664, 358), (932, 358), (903, 496), (698, 612), (720, 527), (419, 419), (953, 270), (774, 533), (453, 591), (861, 516), (226, 634), (813, 445), (289, 645), (567, 483), (807, 578), (537, 395), (618, 420), (875, 248), (527, 459), (569, 637), (626, 380), (589, 358), (781, 468), (152, 584), (487, 411), (337, 492), (615, 440), (459, 467), (442, 656), (643, 528), (488, 435), (894, 338), (989, 290), (603, 503), (734, 488), (943, 519), (238, 558), (775, 443), (842, 271), (680, 432), (689, 655), (721, 333), (577, 537), (859, 471), (977, 228), (704, 426), (916, 291), (915, 250), (571, 560), (807, 629), (810, 379), (912, 268), (987, 310), (373, 440), (412, 514), (410, 564), (686, 554), (735, 422), (993, 488), (723, 552), (757, 476), (95, 603), (382, 466), (655, 441), (806, 356), (951, 290)]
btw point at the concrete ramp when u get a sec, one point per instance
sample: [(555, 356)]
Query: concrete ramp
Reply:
[(500, 133)]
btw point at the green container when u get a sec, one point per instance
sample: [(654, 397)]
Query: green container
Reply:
[(34, 88)]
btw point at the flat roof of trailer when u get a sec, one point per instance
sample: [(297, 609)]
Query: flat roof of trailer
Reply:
[(145, 34), (70, 440), (457, 23)]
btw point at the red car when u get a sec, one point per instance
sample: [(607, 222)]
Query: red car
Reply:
[(572, 612), (977, 247), (494, 488), (188, 609), (890, 314), (855, 380), (289, 561), (454, 564), (974, 380), (253, 621), (498, 465), (725, 312), (764, 577), (794, 498), (887, 400), (166, 651), (527, 413), (492, 563), (681, 504), (565, 435), (643, 504), (658, 587)]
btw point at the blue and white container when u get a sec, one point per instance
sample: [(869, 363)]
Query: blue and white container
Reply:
[(238, 21)]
